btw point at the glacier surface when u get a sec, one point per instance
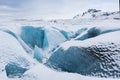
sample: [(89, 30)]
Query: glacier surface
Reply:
[(95, 31), (98, 56), (83, 48), (48, 37), (12, 52)]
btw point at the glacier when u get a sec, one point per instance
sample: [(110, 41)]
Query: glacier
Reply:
[(86, 47), (38, 54), (13, 69), (98, 56), (42, 72), (48, 38), (95, 31), (12, 52), (30, 35), (23, 44)]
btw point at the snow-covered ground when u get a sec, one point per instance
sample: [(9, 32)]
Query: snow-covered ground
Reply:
[(86, 47)]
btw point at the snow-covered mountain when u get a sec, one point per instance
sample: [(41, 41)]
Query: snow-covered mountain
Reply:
[(84, 48), (98, 14)]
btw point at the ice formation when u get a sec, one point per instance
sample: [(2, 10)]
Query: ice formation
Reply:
[(30, 35), (98, 56), (95, 31), (13, 70), (38, 54), (42, 37), (64, 49), (12, 52)]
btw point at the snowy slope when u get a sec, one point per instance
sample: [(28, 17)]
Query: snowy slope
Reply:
[(12, 54), (44, 73)]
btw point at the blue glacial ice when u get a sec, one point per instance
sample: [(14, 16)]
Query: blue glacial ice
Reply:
[(38, 54), (98, 56), (65, 33), (41, 37), (33, 36), (95, 31), (11, 51), (13, 69)]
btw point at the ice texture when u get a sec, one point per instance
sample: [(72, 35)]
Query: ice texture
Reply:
[(44, 38), (53, 38), (82, 48), (14, 70), (11, 51), (38, 54), (30, 35), (95, 31), (98, 56), (42, 72)]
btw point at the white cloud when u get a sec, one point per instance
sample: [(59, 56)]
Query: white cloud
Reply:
[(52, 9), (67, 8), (5, 8)]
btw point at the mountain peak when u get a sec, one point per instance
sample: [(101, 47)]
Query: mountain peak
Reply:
[(97, 14), (93, 10)]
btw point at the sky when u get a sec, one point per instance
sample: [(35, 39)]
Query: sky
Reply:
[(53, 9)]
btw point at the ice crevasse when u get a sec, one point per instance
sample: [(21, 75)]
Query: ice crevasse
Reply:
[(42, 37), (45, 39)]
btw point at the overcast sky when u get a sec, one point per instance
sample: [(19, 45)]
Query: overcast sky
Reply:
[(53, 9)]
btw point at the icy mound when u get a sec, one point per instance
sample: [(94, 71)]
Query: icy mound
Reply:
[(95, 31), (11, 52), (52, 38), (97, 56), (97, 14), (45, 38), (44, 73), (38, 55), (23, 44), (30, 35), (41, 72), (13, 69), (66, 33)]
